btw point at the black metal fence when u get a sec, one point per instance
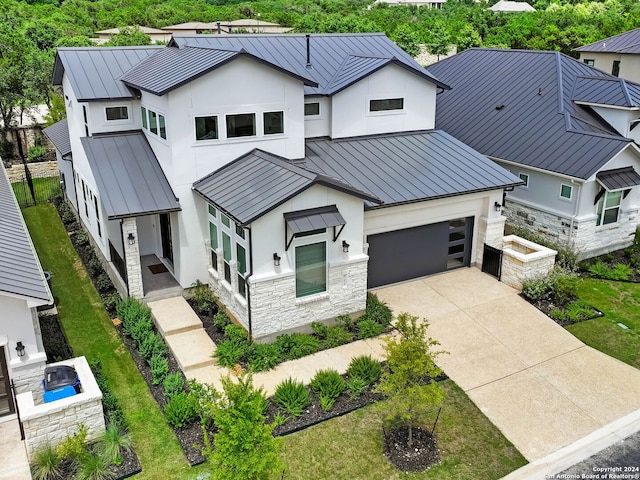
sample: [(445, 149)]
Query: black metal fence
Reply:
[(34, 189), (492, 261)]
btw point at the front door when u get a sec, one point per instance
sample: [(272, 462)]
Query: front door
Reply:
[(6, 398), (165, 233)]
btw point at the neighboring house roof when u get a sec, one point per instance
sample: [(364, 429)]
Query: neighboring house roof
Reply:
[(147, 30), (257, 182), (128, 176), (58, 133), (517, 105), (407, 167), (627, 42), (171, 68), (193, 26), (354, 56), (20, 271), (606, 91), (510, 6), (94, 72)]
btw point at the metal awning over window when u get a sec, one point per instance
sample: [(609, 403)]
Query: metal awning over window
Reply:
[(618, 178), (305, 221)]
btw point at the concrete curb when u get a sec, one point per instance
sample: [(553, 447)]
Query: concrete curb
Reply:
[(580, 450)]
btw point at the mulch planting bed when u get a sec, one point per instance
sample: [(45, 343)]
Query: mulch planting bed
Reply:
[(422, 454), (611, 260), (547, 306), (53, 338)]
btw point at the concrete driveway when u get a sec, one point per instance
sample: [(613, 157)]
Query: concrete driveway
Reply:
[(542, 387)]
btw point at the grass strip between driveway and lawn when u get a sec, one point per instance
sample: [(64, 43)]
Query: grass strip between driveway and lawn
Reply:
[(91, 334), (620, 303)]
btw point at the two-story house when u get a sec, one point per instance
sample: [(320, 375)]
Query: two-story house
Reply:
[(568, 130), (619, 55), (290, 172)]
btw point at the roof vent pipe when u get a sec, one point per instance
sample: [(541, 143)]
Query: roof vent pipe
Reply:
[(308, 50), (219, 29)]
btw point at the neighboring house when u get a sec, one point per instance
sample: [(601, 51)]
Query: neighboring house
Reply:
[(619, 55), (565, 128), (22, 289), (155, 34), (246, 25), (506, 6), (419, 3), (290, 172)]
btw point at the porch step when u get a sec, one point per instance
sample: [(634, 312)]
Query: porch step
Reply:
[(174, 316), (162, 294), (192, 349)]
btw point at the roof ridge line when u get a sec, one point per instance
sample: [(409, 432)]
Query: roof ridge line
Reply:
[(558, 59), (625, 90)]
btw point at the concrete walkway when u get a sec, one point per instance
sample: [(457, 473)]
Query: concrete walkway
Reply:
[(192, 347), (15, 464), (541, 386)]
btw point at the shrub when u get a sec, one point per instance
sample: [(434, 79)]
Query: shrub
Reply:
[(94, 266), (235, 332), (111, 301), (336, 336), (81, 238), (328, 385), (580, 310), (110, 404), (598, 269), (73, 446), (68, 217), (263, 356), (319, 329), (173, 384), (152, 344), (221, 320), (367, 328), (621, 271), (231, 352), (113, 442), (356, 386), (291, 396), (537, 288), (203, 297), (45, 463), (378, 311), (303, 345), (93, 467), (346, 322), (159, 368), (365, 368), (136, 319), (36, 153), (181, 410), (103, 283), (567, 257), (565, 285)]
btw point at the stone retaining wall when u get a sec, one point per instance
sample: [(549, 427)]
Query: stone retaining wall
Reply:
[(53, 422), (522, 259), (40, 169)]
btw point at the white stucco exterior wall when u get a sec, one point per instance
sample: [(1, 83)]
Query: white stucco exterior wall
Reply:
[(318, 125)]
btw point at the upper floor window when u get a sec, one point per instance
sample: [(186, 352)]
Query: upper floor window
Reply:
[(525, 178), (385, 104), (615, 70), (117, 113), (154, 122), (311, 109), (207, 128), (589, 61), (566, 191), (608, 209), (273, 122), (241, 125)]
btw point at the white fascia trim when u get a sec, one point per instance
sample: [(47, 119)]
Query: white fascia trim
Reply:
[(536, 169)]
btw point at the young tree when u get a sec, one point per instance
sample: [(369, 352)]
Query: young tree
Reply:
[(243, 447), (407, 40), (409, 383), (439, 40)]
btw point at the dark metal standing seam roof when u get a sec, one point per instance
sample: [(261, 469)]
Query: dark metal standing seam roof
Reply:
[(517, 106), (626, 42), (94, 71), (328, 53), (404, 168), (314, 219), (604, 91), (129, 178), (20, 272), (618, 178), (258, 182), (58, 133), (173, 67)]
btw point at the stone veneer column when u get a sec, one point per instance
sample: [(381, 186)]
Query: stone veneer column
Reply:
[(490, 231), (132, 258)]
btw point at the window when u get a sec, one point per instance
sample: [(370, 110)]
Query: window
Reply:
[(162, 127), (241, 125), (311, 269), (386, 104), (207, 128), (241, 256), (213, 237), (145, 125), (226, 254), (609, 208), (225, 220), (86, 120), (566, 191), (311, 109), (615, 70), (153, 122), (117, 113), (273, 122), (222, 230), (212, 211), (525, 178), (97, 210), (589, 61)]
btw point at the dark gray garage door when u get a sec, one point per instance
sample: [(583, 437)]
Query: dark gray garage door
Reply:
[(415, 252)]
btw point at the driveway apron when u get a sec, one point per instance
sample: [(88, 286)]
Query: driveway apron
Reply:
[(541, 386)]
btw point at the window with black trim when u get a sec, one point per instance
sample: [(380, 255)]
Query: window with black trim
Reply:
[(608, 210), (241, 125), (311, 269), (311, 109), (589, 61), (273, 122), (615, 70), (386, 104), (117, 113), (206, 128)]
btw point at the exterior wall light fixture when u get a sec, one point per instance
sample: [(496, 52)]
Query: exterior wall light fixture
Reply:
[(276, 260), (345, 246), (497, 206), (20, 349), (131, 239)]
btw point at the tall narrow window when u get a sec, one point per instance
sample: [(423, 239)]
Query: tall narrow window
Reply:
[(608, 210), (241, 257), (311, 269), (97, 210), (615, 70), (143, 111), (226, 253), (207, 128), (162, 127), (213, 238), (153, 122), (273, 122)]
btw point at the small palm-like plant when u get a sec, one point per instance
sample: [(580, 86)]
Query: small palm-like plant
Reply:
[(292, 396), (45, 463)]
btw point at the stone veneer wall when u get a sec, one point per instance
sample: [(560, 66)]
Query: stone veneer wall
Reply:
[(522, 259), (40, 169), (587, 239), (132, 258), (236, 305), (52, 422), (490, 232)]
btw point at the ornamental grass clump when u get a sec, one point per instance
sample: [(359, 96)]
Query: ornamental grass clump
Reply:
[(292, 397), (327, 385)]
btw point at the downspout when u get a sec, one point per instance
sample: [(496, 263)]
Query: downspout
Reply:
[(246, 280), (575, 210)]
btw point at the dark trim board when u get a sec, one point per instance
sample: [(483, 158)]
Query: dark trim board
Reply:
[(416, 252)]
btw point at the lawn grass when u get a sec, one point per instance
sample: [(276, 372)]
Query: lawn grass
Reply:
[(350, 447), (91, 333), (44, 189), (620, 302)]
